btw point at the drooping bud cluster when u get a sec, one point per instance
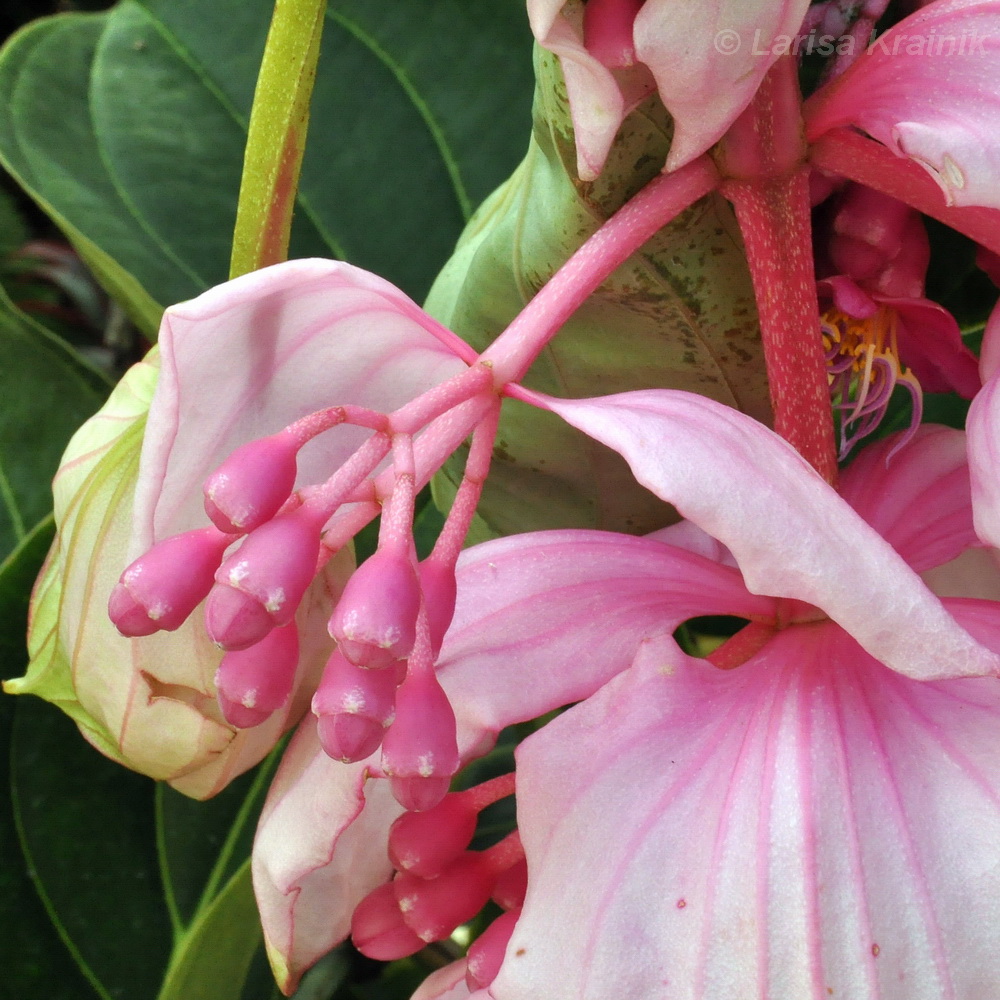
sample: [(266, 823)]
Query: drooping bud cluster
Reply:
[(253, 568), (440, 884)]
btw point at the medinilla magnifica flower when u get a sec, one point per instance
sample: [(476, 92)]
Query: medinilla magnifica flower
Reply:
[(829, 770)]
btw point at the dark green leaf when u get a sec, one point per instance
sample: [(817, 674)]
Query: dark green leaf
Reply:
[(47, 392), (128, 128), (36, 965)]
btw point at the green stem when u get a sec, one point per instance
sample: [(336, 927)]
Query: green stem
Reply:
[(277, 135)]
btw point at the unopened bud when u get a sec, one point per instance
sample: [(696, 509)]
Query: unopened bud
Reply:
[(254, 683), (252, 483), (433, 908), (163, 586), (420, 750), (425, 843), (271, 570), (439, 587), (375, 620), (378, 929), (486, 954), (353, 707), (511, 887)]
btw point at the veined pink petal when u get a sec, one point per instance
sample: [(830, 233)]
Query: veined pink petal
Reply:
[(928, 89), (790, 533), (708, 58), (920, 501), (321, 847), (806, 826), (545, 619), (249, 357), (983, 429), (599, 98)]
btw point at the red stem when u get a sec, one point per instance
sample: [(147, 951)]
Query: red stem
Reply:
[(763, 155)]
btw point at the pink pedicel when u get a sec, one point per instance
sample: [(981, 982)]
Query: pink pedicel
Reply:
[(420, 751), (252, 483), (354, 706), (252, 684), (378, 928), (425, 843), (607, 31), (375, 620), (437, 582), (260, 585), (161, 588), (486, 954)]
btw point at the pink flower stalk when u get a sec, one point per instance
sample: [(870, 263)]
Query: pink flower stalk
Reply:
[(406, 392)]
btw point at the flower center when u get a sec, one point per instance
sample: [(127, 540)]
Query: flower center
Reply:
[(863, 368)]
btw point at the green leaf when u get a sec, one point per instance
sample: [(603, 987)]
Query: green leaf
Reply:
[(47, 391), (128, 128), (35, 964), (678, 314), (213, 957)]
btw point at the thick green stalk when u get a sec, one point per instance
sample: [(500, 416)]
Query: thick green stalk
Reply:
[(277, 135)]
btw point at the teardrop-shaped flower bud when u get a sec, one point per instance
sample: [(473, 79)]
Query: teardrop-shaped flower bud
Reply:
[(353, 706), (378, 930), (252, 483), (420, 751), (272, 570), (437, 581), (433, 908), (486, 954), (375, 622), (254, 683), (163, 586), (425, 843)]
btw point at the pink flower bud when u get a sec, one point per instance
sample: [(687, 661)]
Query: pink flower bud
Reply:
[(375, 621), (511, 886), (433, 908), (161, 588), (437, 582), (261, 584), (253, 683), (420, 751), (607, 31), (252, 483), (353, 707), (378, 929), (486, 953), (425, 843)]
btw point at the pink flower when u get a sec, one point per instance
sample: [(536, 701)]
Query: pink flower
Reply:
[(822, 817), (879, 330), (550, 619), (705, 59)]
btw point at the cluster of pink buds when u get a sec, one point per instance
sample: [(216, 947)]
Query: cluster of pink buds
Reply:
[(440, 884), (268, 541)]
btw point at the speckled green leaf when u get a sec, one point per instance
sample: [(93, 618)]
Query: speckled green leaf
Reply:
[(679, 314)]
